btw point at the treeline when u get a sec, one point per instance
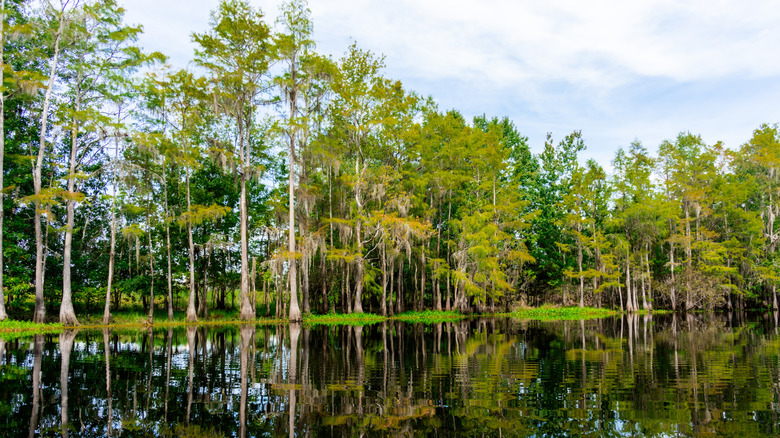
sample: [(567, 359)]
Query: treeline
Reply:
[(128, 183)]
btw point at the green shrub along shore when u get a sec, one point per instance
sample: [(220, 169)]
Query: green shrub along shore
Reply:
[(138, 319)]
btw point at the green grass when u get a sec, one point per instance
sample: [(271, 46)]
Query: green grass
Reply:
[(11, 329), (429, 316), (654, 312), (550, 313), (17, 329), (136, 318), (343, 319)]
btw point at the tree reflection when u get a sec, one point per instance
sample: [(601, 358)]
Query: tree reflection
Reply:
[(66, 346), (107, 353), (641, 375), (295, 331), (36, 378), (168, 357), (247, 333), (190, 368)]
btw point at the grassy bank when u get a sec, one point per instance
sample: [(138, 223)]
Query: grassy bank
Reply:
[(14, 329), (430, 316), (343, 319), (550, 313), (138, 319)]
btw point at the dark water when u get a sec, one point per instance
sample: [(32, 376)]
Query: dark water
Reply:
[(630, 376)]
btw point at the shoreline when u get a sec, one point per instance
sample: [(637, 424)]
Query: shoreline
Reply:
[(546, 313)]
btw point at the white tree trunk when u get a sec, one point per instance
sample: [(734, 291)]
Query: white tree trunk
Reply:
[(67, 314), (112, 249), (192, 315), (39, 314), (247, 312), (3, 314)]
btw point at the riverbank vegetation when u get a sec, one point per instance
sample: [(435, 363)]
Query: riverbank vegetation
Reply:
[(271, 179), (138, 320)]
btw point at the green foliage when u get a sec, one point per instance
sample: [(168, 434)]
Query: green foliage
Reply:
[(397, 205)]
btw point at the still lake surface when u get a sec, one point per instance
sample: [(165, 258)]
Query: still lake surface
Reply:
[(668, 375)]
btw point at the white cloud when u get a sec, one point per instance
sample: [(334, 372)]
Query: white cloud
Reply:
[(617, 70)]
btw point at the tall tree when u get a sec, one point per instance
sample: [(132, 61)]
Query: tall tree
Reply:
[(98, 62), (112, 240), (60, 17), (3, 314), (236, 52), (635, 217), (688, 167), (292, 46), (186, 95), (552, 184), (358, 89)]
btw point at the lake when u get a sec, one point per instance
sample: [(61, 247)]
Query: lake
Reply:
[(662, 375)]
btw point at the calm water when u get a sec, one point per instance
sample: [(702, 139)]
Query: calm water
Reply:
[(630, 376)]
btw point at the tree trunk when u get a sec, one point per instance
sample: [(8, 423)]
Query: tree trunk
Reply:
[(672, 289), (203, 306), (67, 314), (254, 283), (579, 266), (150, 318), (448, 305), (383, 262), (112, 249), (324, 277), (305, 268), (3, 314), (168, 246), (359, 271), (629, 299), (399, 308), (295, 311), (246, 312), (390, 266), (422, 278), (438, 294), (192, 314), (39, 314), (647, 301)]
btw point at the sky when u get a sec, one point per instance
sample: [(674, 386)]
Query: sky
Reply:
[(618, 71)]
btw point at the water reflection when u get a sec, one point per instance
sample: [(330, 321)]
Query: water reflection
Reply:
[(107, 355), (66, 346), (633, 375)]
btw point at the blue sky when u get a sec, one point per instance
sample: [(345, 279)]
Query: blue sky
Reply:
[(617, 71)]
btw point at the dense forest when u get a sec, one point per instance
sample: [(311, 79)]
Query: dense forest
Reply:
[(274, 180)]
